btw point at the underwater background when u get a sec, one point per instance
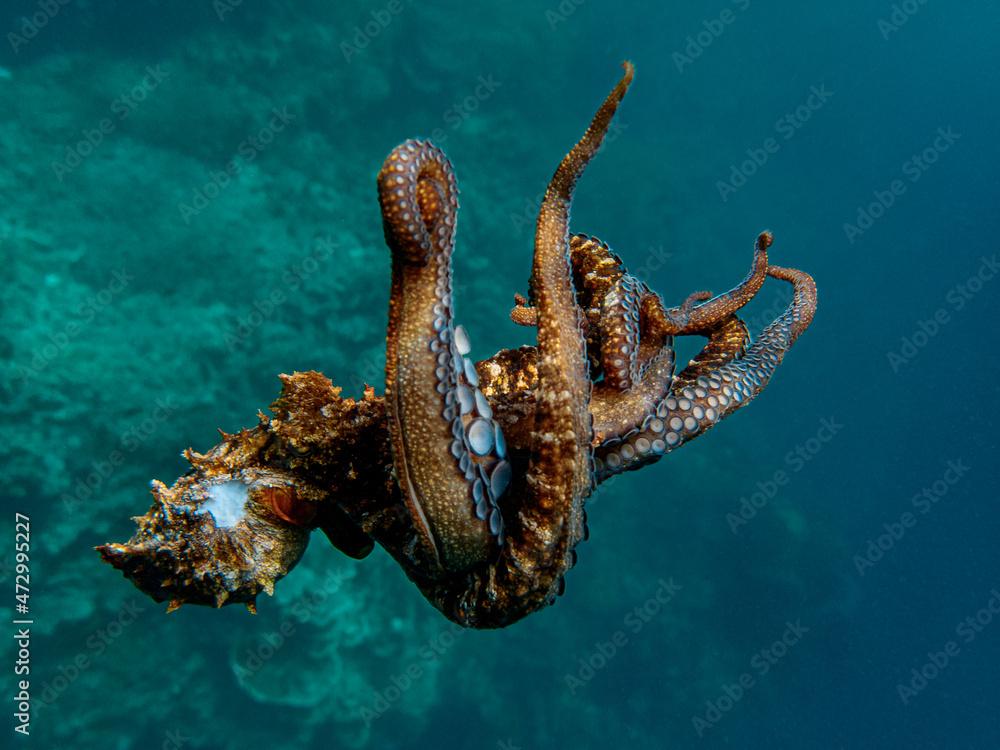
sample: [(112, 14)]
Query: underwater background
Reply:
[(833, 548)]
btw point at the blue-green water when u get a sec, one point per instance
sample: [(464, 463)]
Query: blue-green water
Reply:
[(166, 167)]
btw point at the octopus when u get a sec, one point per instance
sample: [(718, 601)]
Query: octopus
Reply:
[(473, 476)]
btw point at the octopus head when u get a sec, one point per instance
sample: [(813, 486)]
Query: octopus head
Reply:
[(220, 535)]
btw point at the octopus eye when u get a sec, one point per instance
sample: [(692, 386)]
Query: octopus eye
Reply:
[(285, 504)]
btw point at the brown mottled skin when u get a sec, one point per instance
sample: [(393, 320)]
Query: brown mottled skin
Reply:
[(420, 230), (486, 532)]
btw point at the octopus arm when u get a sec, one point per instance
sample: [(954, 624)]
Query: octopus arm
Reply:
[(715, 386), (549, 520), (448, 451), (691, 318)]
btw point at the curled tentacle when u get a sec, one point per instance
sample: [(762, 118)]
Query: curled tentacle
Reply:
[(612, 302), (616, 414), (727, 341), (449, 454), (704, 393), (802, 309), (620, 333), (681, 315), (649, 377), (597, 278), (689, 318), (626, 345)]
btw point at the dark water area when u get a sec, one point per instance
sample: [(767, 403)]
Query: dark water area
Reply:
[(827, 557)]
